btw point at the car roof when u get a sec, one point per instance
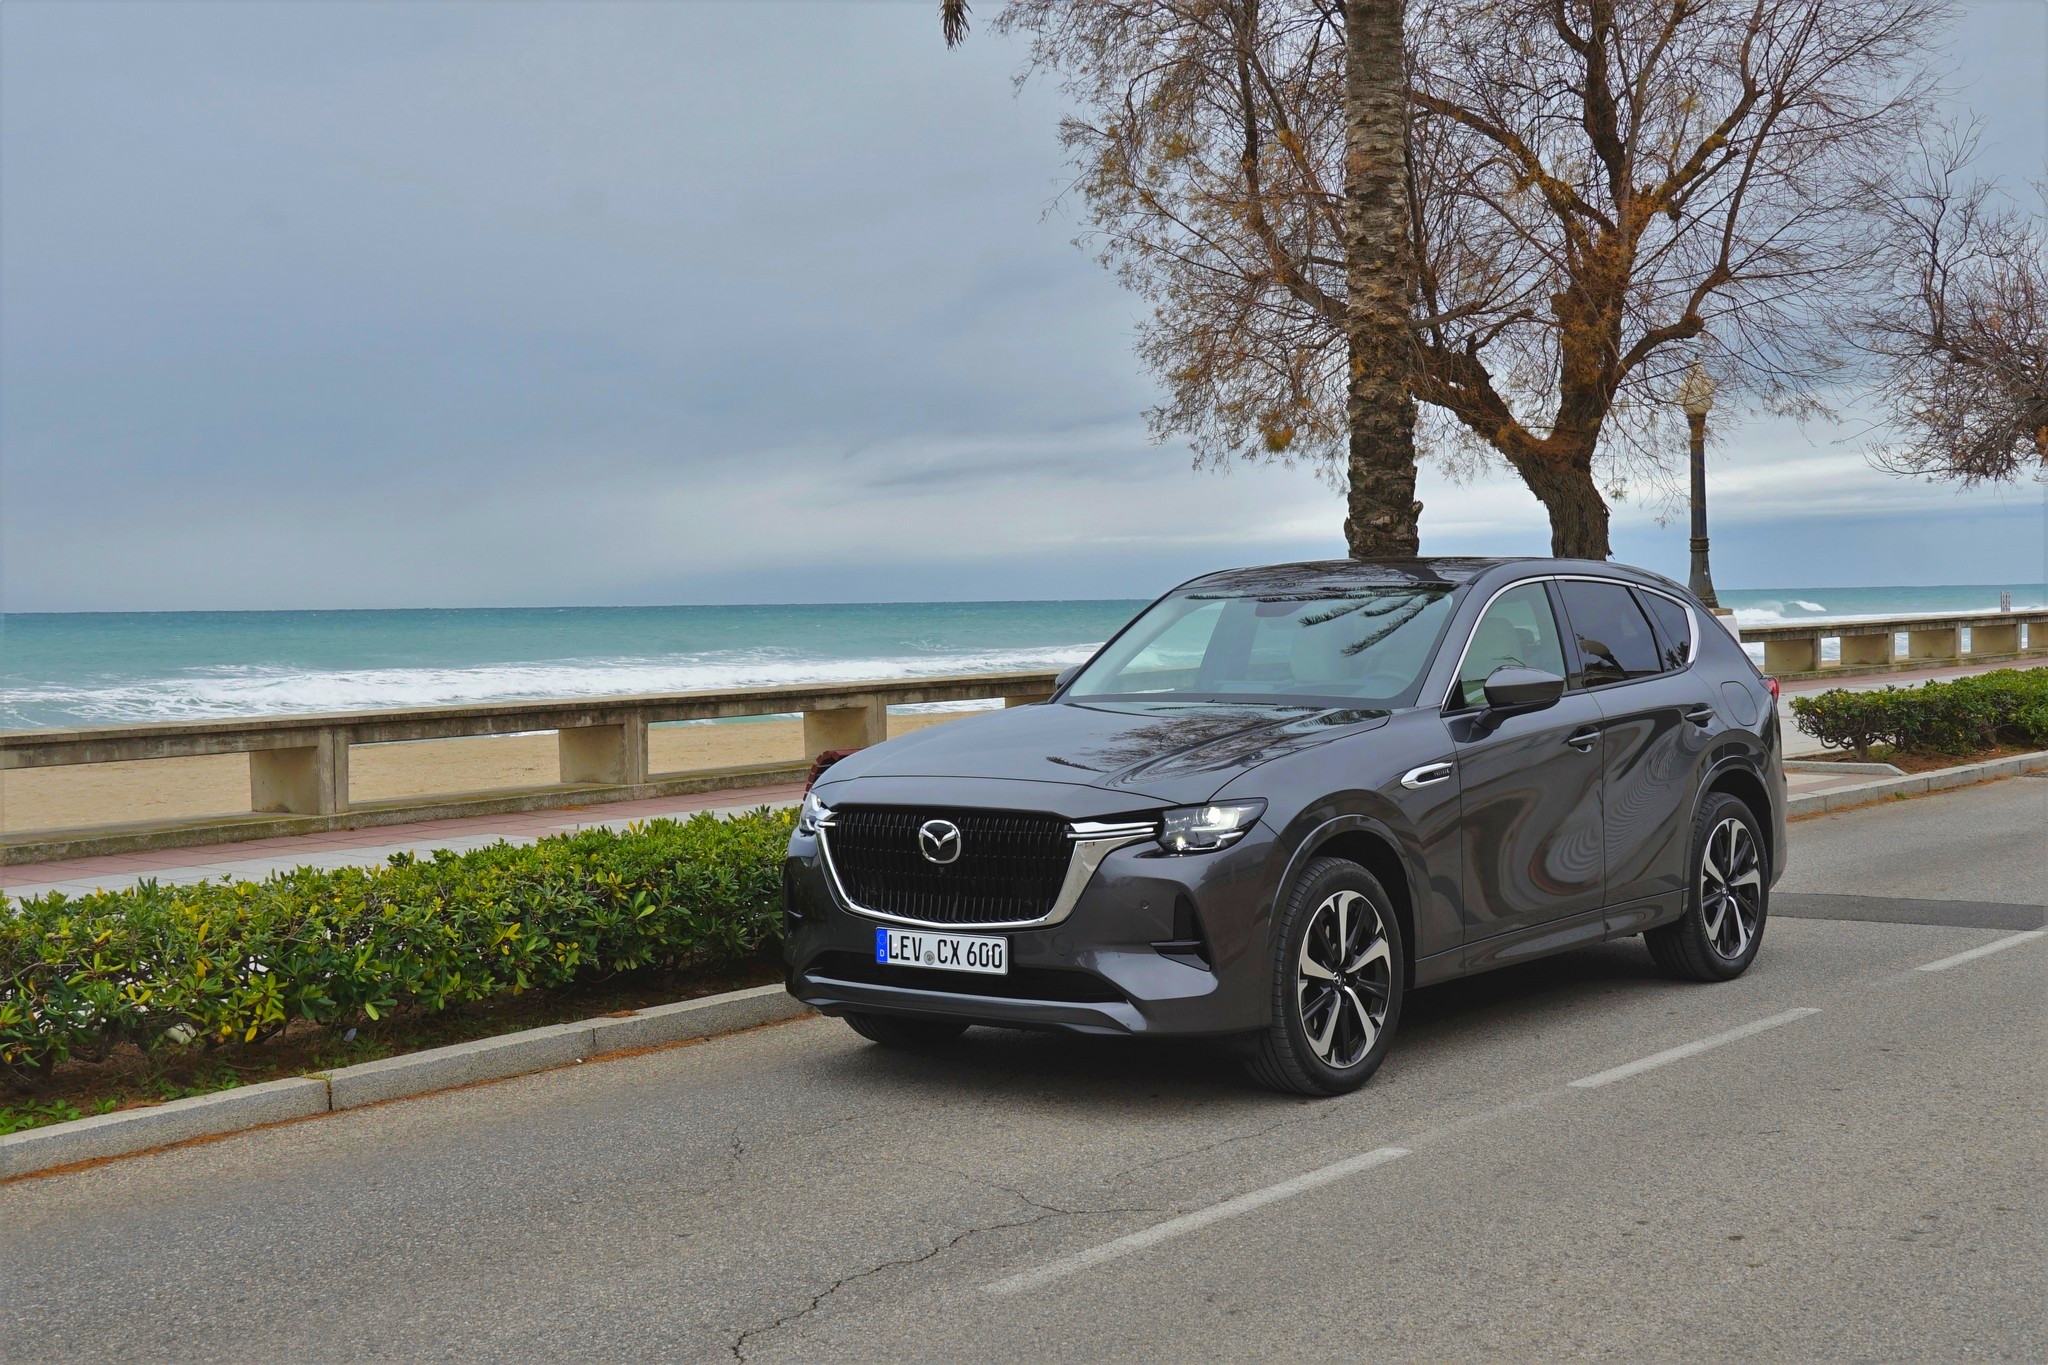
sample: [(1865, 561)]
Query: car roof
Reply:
[(1334, 576), (1338, 575)]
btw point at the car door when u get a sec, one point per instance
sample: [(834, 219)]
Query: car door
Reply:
[(1656, 719), (1529, 783)]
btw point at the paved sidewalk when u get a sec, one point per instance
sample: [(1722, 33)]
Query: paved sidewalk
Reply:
[(259, 858)]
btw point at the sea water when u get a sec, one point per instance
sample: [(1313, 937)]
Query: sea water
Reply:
[(115, 667)]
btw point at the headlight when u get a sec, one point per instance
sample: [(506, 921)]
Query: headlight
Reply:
[(1202, 829), (814, 815)]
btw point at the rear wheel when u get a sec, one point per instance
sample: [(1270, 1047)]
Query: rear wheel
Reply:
[(1337, 983), (1727, 901), (894, 1031)]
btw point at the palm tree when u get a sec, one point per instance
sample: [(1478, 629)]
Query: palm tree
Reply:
[(1381, 517), (953, 19), (1379, 279)]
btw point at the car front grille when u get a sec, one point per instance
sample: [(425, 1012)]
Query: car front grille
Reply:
[(1010, 866)]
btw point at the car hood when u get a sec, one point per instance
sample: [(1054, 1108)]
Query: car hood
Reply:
[(1177, 752)]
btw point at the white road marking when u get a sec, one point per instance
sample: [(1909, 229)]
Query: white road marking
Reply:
[(1680, 1053), (1995, 946), (1146, 1238), (1192, 1222)]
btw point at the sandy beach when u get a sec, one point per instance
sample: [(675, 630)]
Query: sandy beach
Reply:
[(177, 788)]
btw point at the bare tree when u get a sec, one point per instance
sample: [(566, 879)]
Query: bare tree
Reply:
[(1959, 321), (1601, 192), (1606, 190)]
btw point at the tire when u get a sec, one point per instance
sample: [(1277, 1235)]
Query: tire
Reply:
[(1727, 898), (894, 1031), (1328, 1040)]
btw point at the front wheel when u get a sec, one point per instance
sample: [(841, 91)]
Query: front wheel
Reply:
[(1728, 901), (895, 1031), (1338, 978)]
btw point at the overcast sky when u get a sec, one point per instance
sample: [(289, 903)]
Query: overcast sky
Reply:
[(334, 305)]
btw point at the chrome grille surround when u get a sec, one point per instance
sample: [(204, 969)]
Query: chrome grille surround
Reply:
[(1089, 842)]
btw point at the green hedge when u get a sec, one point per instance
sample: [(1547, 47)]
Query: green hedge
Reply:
[(1963, 716), (238, 961)]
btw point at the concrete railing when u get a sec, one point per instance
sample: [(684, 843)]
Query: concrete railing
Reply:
[(1794, 650), (298, 765)]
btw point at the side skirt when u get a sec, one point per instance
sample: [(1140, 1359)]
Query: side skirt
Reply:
[(1558, 936)]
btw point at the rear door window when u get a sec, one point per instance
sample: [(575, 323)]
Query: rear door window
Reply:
[(1615, 640)]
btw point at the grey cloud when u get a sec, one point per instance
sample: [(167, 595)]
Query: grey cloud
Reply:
[(384, 304)]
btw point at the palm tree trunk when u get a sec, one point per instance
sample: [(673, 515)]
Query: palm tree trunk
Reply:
[(1380, 283)]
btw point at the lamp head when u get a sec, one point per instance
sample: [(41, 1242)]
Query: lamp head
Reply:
[(1696, 391)]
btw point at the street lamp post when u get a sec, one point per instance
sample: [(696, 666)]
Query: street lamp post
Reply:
[(1696, 396)]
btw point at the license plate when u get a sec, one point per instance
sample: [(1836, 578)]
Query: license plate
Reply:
[(944, 952)]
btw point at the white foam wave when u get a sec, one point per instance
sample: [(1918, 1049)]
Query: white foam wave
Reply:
[(225, 692)]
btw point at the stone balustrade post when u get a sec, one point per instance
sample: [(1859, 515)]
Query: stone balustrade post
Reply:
[(310, 779), (1867, 650), (1798, 655), (613, 755), (846, 727)]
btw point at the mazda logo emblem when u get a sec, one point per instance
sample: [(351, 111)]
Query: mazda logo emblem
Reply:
[(939, 841)]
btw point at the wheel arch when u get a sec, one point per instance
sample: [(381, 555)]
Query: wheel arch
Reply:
[(1739, 780), (1362, 840)]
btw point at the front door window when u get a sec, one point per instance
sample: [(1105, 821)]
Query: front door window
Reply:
[(1518, 631)]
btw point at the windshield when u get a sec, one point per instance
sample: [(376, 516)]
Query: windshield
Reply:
[(1365, 647)]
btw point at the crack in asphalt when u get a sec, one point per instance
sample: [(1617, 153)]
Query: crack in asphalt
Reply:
[(1045, 1212), (1207, 1147)]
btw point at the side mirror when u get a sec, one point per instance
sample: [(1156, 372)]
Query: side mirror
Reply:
[(1512, 688), (1066, 676)]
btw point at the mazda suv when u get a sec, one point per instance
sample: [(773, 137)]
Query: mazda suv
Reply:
[(1281, 798)]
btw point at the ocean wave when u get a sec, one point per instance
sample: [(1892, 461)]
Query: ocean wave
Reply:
[(217, 693), (1778, 613)]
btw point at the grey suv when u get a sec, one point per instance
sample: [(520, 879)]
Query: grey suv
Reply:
[(1281, 798)]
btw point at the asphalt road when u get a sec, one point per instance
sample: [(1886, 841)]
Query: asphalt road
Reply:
[(1838, 1155)]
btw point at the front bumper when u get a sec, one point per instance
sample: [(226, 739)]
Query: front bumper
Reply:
[(1097, 971)]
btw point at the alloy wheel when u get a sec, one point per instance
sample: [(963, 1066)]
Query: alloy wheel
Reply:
[(1731, 888), (1343, 979)]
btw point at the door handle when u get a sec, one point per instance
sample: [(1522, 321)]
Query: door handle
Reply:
[(1701, 715), (1583, 740), (1428, 775)]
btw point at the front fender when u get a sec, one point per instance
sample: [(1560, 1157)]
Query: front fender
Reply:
[(1417, 847)]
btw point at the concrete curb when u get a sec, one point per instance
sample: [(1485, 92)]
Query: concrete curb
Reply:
[(659, 1025), (1843, 768), (443, 1068), (133, 1131), (1915, 784)]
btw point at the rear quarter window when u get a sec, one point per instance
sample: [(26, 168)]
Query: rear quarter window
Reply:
[(1674, 627)]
